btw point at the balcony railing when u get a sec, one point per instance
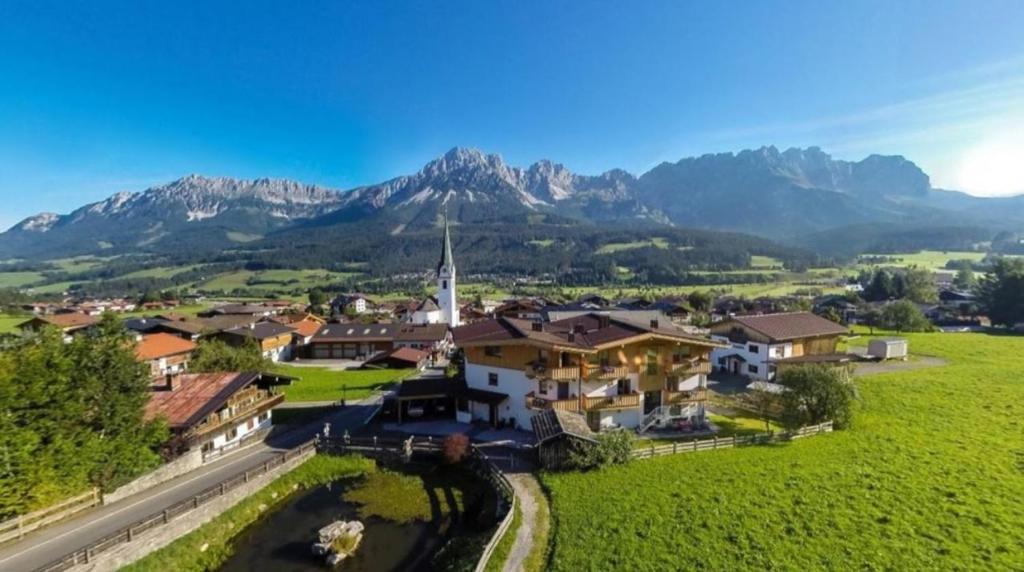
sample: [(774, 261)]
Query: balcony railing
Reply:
[(679, 397), (219, 422), (605, 372), (542, 370), (574, 404), (689, 368)]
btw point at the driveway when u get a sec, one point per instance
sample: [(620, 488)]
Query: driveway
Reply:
[(727, 383)]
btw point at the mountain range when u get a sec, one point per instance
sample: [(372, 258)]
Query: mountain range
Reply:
[(796, 195)]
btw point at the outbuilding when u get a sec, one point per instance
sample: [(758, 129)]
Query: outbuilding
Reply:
[(557, 433), (888, 348)]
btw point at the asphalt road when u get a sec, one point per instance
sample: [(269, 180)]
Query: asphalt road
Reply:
[(42, 547)]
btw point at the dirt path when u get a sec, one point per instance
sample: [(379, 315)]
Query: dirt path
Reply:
[(533, 526)]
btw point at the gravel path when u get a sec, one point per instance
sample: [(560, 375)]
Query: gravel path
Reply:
[(915, 362), (527, 488)]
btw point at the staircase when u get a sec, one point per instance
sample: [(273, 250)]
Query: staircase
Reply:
[(665, 413)]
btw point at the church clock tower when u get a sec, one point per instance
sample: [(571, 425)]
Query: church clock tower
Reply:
[(446, 299)]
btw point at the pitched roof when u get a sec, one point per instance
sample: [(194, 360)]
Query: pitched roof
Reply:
[(155, 346), (306, 328), (411, 356), (67, 321), (585, 332), (421, 332), (261, 330), (356, 333), (788, 326), (554, 423), (194, 396), (428, 305)]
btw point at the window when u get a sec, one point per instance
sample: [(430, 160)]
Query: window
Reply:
[(680, 354), (444, 284), (721, 361), (232, 433), (492, 379), (492, 351), (752, 348), (652, 361), (752, 368), (542, 385)]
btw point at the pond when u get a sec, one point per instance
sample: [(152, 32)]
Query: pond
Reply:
[(410, 512)]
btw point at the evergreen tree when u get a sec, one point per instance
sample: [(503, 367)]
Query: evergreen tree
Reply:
[(1001, 292)]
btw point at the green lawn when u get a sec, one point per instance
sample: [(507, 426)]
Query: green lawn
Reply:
[(757, 261), (274, 280), (931, 477), (322, 384), (8, 323)]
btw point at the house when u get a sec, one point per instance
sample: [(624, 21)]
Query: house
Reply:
[(677, 308), (256, 310), (70, 324), (364, 341), (472, 313), (143, 325), (841, 305), (426, 312), (616, 372), (305, 329), (350, 303), (399, 358), (522, 309), (274, 340), (213, 411), (166, 354), (754, 345)]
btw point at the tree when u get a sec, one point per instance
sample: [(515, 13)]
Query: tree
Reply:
[(700, 301), (612, 448), (1001, 292), (215, 355), (903, 316), (881, 287), (815, 394), (919, 286), (832, 314), (765, 403), (317, 297), (965, 280), (871, 317), (454, 448)]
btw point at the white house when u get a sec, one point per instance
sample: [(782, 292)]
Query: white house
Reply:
[(756, 345)]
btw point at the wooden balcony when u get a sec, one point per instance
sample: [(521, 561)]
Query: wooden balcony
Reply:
[(574, 404), (216, 422), (688, 368), (607, 372), (681, 397), (543, 371)]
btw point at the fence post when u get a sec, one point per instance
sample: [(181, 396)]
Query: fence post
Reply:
[(374, 443), (695, 444), (130, 534), (247, 476), (223, 488), (675, 447), (166, 517), (715, 439), (195, 502)]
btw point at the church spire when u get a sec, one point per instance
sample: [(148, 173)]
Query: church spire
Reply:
[(447, 261)]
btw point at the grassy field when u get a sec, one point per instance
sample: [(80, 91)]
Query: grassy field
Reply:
[(930, 477), (273, 280), (18, 279), (322, 384), (613, 247), (932, 259), (8, 323)]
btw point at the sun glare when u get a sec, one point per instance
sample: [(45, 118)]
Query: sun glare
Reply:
[(994, 168)]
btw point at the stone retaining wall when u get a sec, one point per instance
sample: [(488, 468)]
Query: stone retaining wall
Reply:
[(189, 461), (156, 538)]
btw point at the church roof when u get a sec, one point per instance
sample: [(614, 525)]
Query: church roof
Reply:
[(446, 249)]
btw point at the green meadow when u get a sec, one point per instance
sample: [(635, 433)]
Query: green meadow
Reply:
[(323, 384), (930, 477)]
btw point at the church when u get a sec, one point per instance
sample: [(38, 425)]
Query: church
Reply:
[(442, 308)]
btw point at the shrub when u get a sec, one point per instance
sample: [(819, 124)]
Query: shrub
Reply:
[(815, 394), (612, 448), (455, 448)]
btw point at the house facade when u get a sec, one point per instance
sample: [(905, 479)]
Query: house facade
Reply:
[(213, 411), (755, 346), (614, 372), (165, 354), (273, 339), (364, 341)]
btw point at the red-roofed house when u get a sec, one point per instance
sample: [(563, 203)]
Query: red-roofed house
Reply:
[(166, 354), (213, 411)]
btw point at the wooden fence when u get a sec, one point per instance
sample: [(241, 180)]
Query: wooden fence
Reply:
[(128, 533), (507, 494), (729, 442), (19, 526)]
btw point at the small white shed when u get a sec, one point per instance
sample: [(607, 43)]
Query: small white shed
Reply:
[(888, 348)]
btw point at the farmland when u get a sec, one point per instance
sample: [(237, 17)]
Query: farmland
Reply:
[(930, 477)]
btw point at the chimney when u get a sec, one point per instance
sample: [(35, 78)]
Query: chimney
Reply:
[(537, 326), (579, 329), (572, 337), (654, 323), (603, 321), (170, 381)]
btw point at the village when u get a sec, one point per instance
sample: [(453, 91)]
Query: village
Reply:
[(527, 384)]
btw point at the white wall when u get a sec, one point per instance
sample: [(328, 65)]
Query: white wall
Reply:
[(512, 382), (757, 358)]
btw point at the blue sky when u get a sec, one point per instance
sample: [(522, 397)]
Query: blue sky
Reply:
[(98, 97)]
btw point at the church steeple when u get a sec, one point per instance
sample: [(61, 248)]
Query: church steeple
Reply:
[(446, 298), (446, 249)]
